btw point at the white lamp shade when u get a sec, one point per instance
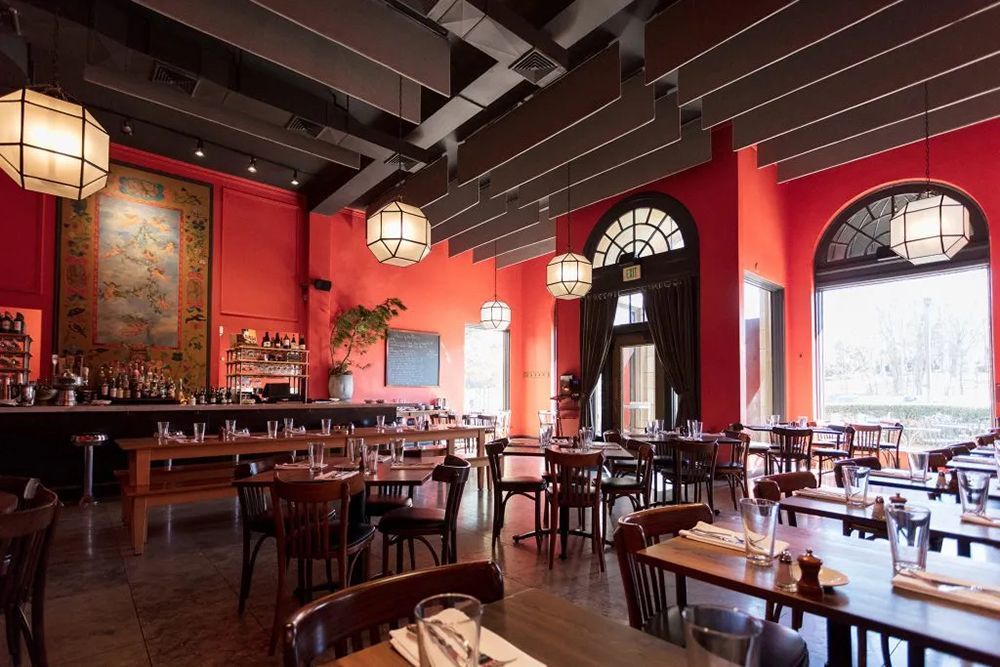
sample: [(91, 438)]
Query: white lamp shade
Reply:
[(52, 145), (399, 234), (569, 276), (494, 315), (929, 229)]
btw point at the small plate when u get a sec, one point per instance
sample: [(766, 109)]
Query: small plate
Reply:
[(828, 577)]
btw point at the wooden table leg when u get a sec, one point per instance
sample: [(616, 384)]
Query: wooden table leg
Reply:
[(481, 452), (914, 654), (838, 644), (139, 473)]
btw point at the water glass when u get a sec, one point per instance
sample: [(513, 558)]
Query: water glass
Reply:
[(545, 435), (199, 432), (721, 636), (289, 425), (695, 428), (586, 437), (230, 427), (856, 485), (162, 430), (658, 426), (325, 425), (380, 423), (909, 528), (448, 630), (918, 466), (369, 462), (396, 451), (973, 488), (272, 428), (760, 517), (317, 451), (774, 420), (353, 449)]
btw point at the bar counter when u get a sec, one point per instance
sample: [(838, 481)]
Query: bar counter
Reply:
[(35, 441)]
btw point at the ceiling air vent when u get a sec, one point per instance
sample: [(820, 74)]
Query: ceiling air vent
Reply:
[(304, 126), (535, 66), (401, 162), (173, 77)]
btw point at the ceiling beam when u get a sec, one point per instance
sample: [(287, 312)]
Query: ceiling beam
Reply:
[(878, 34), (581, 92), (514, 219), (540, 249), (426, 186), (487, 209), (375, 31), (543, 230), (271, 37), (460, 198), (634, 108), (940, 52), (957, 86), (793, 28), (688, 28), (954, 117), (694, 148)]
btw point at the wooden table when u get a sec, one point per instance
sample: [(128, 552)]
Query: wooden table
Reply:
[(929, 485), (989, 467), (143, 451), (8, 502), (385, 475), (945, 519), (869, 601), (611, 451), (554, 631)]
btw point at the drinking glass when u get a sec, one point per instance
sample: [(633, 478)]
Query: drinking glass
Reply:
[(162, 430), (317, 451), (353, 449), (369, 461), (721, 636), (774, 420), (272, 428), (909, 529), (856, 485), (803, 421), (324, 426), (230, 427), (380, 422), (918, 466), (396, 451), (586, 437), (289, 424), (694, 428), (972, 489), (657, 426), (199, 431), (760, 517), (545, 435), (448, 630)]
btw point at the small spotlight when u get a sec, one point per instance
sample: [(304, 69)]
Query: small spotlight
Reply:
[(252, 167), (127, 127), (199, 150), (295, 178)]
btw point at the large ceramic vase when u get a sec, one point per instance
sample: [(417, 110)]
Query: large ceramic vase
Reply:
[(341, 386)]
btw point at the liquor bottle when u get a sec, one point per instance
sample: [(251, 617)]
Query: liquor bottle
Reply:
[(294, 345), (19, 323), (286, 342), (6, 323), (266, 342), (302, 343)]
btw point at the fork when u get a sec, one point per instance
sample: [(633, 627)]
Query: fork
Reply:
[(722, 537), (950, 587), (438, 627)]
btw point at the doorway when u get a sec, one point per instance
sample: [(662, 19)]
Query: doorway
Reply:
[(634, 389)]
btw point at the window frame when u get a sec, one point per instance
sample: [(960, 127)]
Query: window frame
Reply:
[(505, 392), (776, 294)]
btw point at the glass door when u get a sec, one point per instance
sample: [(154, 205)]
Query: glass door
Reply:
[(763, 359), (638, 386)]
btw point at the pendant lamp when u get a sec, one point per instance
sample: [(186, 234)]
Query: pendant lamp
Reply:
[(568, 276), (494, 314), (933, 227)]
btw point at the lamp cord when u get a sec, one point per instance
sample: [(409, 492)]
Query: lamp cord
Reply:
[(494, 269), (927, 138), (55, 51), (569, 208)]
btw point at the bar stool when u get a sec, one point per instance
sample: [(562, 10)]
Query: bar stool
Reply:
[(88, 441)]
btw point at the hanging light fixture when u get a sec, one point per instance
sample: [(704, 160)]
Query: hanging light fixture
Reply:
[(51, 144), (398, 234), (933, 227), (568, 276), (494, 314)]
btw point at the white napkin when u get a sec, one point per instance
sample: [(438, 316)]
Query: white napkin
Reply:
[(830, 495), (917, 582), (896, 473), (724, 533), (292, 466), (334, 475), (490, 643), (969, 458), (992, 522), (412, 466)]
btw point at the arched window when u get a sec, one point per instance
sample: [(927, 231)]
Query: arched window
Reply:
[(640, 232)]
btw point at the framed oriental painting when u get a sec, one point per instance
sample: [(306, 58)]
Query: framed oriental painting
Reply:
[(134, 264)]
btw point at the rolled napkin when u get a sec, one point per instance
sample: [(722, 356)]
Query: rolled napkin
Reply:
[(952, 589), (896, 473), (723, 537), (830, 495), (992, 522), (292, 466), (499, 650), (412, 466), (334, 475), (969, 458)]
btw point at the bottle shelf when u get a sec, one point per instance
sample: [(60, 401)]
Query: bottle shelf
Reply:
[(267, 362)]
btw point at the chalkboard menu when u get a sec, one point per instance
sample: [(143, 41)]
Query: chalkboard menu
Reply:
[(412, 359)]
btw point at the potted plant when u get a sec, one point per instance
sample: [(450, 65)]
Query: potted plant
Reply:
[(354, 331)]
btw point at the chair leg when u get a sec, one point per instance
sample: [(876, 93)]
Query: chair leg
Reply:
[(13, 637), (245, 572), (598, 533), (538, 522), (385, 554), (553, 524), (36, 651), (413, 557), (886, 656), (279, 598)]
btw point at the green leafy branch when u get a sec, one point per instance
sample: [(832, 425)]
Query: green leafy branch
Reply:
[(357, 329)]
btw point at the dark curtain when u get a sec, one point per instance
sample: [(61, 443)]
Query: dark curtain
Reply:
[(597, 319), (672, 311)]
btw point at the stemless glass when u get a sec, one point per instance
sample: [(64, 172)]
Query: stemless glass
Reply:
[(317, 451), (856, 485), (369, 461), (909, 528), (380, 423), (199, 432), (448, 630), (695, 429), (760, 517), (586, 437), (230, 428), (774, 420), (657, 426), (973, 490), (545, 435), (918, 465), (721, 636), (324, 426), (289, 425), (272, 428), (162, 430), (396, 451), (353, 450)]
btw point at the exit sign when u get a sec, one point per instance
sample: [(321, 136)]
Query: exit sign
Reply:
[(630, 273)]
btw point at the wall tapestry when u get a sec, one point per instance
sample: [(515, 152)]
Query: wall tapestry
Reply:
[(134, 273)]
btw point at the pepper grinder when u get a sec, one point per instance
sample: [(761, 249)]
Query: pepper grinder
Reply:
[(878, 509), (897, 500), (784, 580), (810, 566)]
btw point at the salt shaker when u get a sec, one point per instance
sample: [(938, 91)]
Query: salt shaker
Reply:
[(810, 566), (878, 510), (784, 580)]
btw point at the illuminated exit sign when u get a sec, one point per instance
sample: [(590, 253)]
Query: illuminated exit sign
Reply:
[(630, 273)]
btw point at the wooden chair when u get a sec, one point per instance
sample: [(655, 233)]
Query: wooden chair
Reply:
[(692, 464), (824, 453), (961, 448), (410, 524), (776, 487), (734, 470), (790, 445), (256, 517), (25, 540), (985, 440), (646, 586), (355, 618), (893, 436), (575, 482), (637, 487), (531, 487), (872, 462), (305, 531), (866, 440)]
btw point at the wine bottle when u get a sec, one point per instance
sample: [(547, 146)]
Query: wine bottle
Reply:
[(302, 343), (6, 323), (19, 323), (295, 343), (286, 342), (266, 342)]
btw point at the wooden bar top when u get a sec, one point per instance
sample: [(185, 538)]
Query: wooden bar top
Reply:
[(176, 407)]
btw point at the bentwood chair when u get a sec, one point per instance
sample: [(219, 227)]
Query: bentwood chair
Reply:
[(646, 586), (734, 470), (892, 436), (788, 446), (691, 463), (256, 518), (531, 487), (776, 487), (985, 440), (575, 482), (357, 617), (872, 462), (25, 540), (636, 487), (826, 451), (866, 440), (961, 448), (410, 524), (305, 531)]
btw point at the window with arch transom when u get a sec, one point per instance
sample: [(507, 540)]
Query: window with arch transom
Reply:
[(641, 232)]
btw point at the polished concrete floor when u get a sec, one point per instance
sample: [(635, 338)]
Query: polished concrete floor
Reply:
[(176, 604)]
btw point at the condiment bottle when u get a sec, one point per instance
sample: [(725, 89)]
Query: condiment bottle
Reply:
[(784, 580), (878, 509), (808, 584), (941, 483)]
